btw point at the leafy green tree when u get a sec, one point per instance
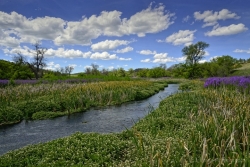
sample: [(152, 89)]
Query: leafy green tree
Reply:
[(194, 53), (131, 72), (209, 69), (121, 72), (142, 72), (226, 64)]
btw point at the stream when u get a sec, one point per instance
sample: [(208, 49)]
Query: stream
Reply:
[(111, 119)]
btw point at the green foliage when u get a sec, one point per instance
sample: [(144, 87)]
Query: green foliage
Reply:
[(142, 72), (10, 70), (156, 72), (191, 85), (9, 115), (194, 53), (225, 65)]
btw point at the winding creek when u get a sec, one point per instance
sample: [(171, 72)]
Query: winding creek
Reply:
[(111, 119)]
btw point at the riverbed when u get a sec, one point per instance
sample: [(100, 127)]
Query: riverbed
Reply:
[(111, 119)]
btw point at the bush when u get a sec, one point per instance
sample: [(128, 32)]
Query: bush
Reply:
[(10, 115), (30, 107)]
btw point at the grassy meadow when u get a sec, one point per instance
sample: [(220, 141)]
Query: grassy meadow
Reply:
[(197, 127), (242, 71)]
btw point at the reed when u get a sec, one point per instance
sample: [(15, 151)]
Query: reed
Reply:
[(56, 99)]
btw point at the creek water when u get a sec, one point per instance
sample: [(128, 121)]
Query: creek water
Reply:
[(111, 119)]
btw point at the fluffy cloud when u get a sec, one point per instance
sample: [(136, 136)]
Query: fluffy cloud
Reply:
[(185, 37), (162, 60), (145, 61), (160, 56), (147, 52), (68, 53), (73, 65), (26, 51), (125, 59), (60, 52), (111, 68), (206, 53), (185, 19), (31, 30), (52, 66), (241, 51), (211, 18), (108, 45), (168, 59), (125, 50), (7, 40), (150, 20), (103, 56), (227, 30)]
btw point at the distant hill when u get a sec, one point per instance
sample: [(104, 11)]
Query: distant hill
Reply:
[(242, 71)]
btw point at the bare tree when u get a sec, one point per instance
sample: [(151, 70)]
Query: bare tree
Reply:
[(62, 71), (163, 66), (88, 70), (19, 59), (37, 63), (68, 69), (95, 70)]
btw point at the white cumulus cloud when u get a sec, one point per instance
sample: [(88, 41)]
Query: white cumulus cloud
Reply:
[(125, 59), (145, 61), (31, 30), (227, 30), (7, 40), (108, 45), (181, 37), (62, 32), (160, 55), (211, 18), (103, 56), (242, 51), (125, 50), (60, 52), (52, 66), (147, 52)]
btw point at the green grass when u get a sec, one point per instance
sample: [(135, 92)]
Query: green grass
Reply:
[(52, 100), (242, 71), (201, 127)]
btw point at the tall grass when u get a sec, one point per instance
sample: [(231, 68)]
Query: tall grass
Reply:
[(56, 99), (202, 127)]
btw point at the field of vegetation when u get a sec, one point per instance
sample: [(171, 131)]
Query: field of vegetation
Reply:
[(49, 100), (207, 124)]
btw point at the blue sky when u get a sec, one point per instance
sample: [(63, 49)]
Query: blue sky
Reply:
[(123, 33)]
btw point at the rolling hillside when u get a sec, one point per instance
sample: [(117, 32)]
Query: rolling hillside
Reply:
[(244, 70)]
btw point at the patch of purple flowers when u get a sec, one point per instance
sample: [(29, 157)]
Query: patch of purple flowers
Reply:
[(4, 83), (236, 81)]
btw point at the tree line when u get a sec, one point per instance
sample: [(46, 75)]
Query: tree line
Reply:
[(224, 65)]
